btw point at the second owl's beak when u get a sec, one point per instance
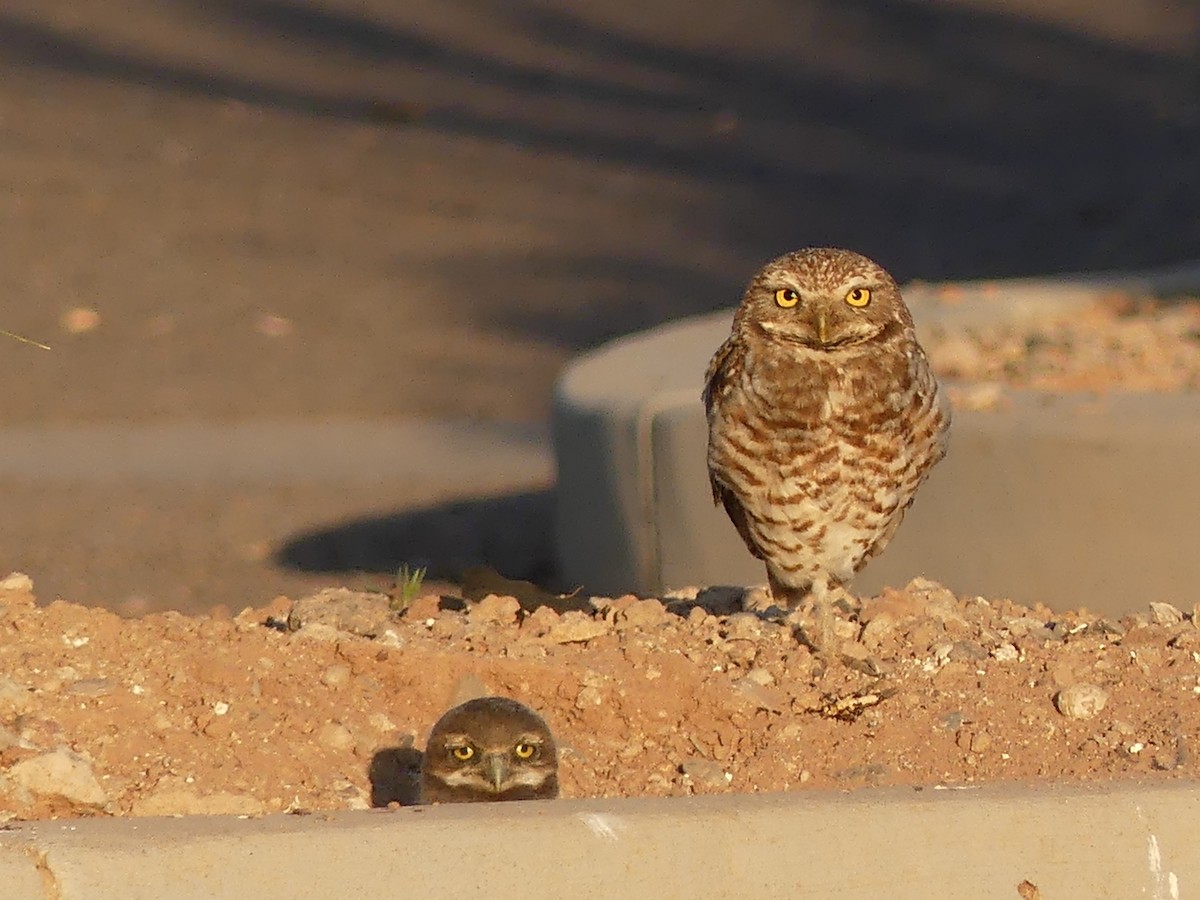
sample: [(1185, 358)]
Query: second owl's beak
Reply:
[(822, 326), (497, 769)]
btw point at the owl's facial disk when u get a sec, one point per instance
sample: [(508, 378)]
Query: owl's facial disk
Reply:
[(821, 320), (496, 770)]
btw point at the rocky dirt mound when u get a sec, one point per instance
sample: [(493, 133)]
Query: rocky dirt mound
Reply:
[(323, 704), (1122, 343)]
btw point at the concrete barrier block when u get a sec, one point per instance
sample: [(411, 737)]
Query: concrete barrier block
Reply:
[(1053, 499), (20, 878), (899, 843)]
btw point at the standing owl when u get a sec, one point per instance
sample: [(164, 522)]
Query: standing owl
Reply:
[(823, 419), (487, 749)]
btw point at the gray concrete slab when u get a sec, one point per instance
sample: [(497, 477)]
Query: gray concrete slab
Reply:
[(1055, 499), (1118, 841)]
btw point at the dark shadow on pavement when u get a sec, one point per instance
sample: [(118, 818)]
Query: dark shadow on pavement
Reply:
[(511, 533)]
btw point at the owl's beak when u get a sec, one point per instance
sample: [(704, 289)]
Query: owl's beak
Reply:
[(497, 769), (822, 326)]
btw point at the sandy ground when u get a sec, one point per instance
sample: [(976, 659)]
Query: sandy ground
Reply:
[(282, 209), (283, 708)]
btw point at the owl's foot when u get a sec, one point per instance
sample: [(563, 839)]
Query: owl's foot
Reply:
[(825, 619)]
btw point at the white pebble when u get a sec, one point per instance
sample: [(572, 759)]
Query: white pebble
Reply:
[(1081, 701)]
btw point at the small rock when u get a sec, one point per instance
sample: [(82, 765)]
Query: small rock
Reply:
[(335, 676), (743, 627), (576, 627), (760, 695), (351, 795), (1188, 639), (968, 650), (60, 773), (588, 697), (356, 612), (643, 614), (880, 626), (381, 723), (539, 622), (335, 736), (1165, 614), (705, 771), (494, 609), (760, 676), (740, 653), (1081, 700), (16, 583), (9, 738), (1006, 653), (92, 687), (13, 696), (319, 631), (683, 593)]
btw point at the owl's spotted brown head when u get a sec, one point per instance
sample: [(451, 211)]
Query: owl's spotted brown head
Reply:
[(487, 749), (824, 299)]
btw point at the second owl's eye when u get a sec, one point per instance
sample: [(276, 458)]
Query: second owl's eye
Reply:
[(524, 750), (786, 298), (462, 754), (859, 297)]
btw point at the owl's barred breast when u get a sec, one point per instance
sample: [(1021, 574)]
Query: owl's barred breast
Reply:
[(824, 451)]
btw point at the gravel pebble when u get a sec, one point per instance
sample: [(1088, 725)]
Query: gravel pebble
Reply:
[(335, 676), (335, 736), (356, 612), (494, 610), (576, 627), (1165, 614), (60, 773), (17, 583), (642, 614), (1081, 700), (706, 772)]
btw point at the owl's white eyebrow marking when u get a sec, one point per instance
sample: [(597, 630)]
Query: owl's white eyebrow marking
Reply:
[(602, 825), (857, 281)]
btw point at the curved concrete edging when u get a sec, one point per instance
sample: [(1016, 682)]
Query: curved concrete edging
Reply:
[(1053, 498), (898, 843)]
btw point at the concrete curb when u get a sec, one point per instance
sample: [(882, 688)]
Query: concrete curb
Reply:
[(1030, 503), (898, 843)]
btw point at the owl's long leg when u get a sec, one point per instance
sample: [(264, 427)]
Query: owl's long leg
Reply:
[(812, 610)]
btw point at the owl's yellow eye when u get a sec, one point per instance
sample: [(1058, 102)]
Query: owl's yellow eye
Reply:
[(786, 298), (859, 297), (462, 754), (525, 750)]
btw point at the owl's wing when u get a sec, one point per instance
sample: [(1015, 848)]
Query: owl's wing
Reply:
[(736, 513), (721, 371)]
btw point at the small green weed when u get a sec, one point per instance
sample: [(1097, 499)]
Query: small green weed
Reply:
[(407, 588)]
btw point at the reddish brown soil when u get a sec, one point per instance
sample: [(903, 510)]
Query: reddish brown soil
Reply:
[(178, 715)]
